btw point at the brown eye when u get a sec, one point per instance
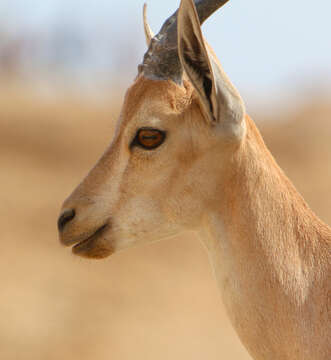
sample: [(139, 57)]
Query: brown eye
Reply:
[(149, 138)]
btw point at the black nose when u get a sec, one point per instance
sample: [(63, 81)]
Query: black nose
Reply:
[(65, 217)]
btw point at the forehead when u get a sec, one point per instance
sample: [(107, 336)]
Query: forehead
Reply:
[(153, 99)]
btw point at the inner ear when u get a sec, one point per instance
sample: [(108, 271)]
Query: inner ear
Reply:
[(196, 61), (194, 57)]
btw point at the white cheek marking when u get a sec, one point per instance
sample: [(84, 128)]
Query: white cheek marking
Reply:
[(154, 121)]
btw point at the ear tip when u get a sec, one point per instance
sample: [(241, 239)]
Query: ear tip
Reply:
[(187, 7), (190, 3)]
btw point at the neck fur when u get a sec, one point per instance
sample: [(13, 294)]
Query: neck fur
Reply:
[(263, 243)]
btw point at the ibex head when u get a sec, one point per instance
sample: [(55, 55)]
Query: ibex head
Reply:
[(180, 124)]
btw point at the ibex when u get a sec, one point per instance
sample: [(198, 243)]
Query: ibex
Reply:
[(186, 156)]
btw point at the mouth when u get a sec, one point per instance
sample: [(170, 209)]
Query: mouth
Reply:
[(95, 246)]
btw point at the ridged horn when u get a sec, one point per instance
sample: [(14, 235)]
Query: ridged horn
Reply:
[(161, 61)]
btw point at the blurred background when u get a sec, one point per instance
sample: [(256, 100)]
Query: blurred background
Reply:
[(64, 68)]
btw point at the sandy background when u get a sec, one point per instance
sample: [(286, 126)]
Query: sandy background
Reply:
[(153, 302)]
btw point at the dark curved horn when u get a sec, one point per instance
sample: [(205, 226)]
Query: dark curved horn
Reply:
[(161, 61)]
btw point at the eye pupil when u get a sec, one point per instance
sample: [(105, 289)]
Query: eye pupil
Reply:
[(150, 138)]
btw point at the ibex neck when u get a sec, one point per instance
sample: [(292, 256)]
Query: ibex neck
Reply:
[(261, 243)]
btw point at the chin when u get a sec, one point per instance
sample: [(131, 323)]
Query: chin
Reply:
[(94, 248)]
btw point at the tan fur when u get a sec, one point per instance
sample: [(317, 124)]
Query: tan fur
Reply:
[(270, 253), (273, 262)]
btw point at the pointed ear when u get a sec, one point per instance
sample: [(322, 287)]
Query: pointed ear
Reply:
[(148, 31), (220, 100)]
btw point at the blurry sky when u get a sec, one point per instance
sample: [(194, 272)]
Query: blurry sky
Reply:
[(265, 46)]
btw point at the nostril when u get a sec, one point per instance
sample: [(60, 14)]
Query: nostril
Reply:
[(65, 217)]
